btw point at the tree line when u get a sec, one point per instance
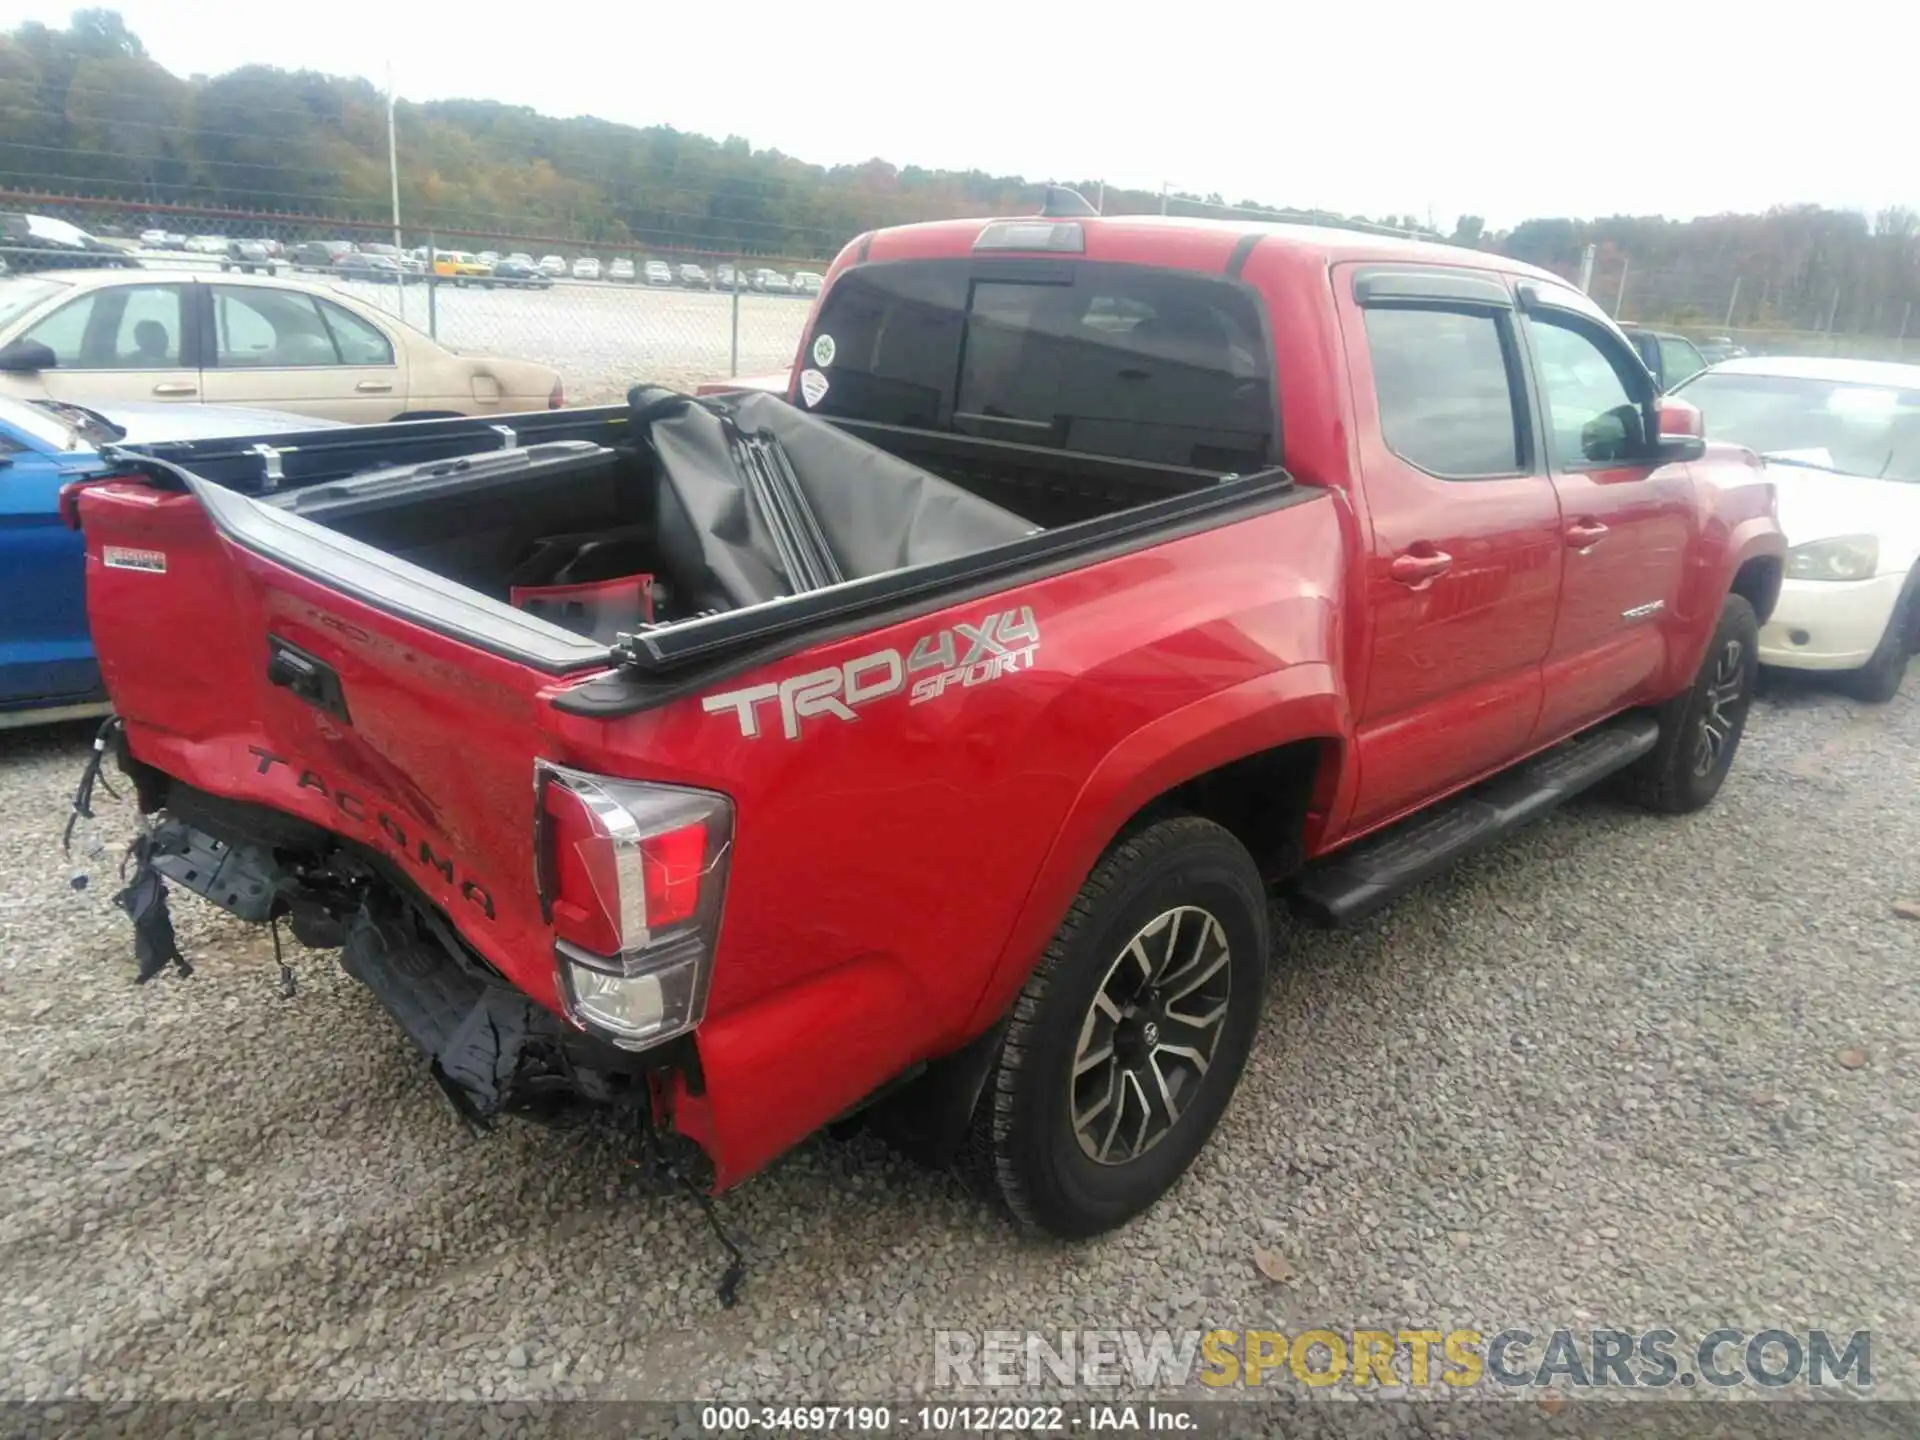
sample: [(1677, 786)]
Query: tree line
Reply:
[(86, 111)]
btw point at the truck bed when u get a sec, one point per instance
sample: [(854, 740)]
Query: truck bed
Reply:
[(468, 527)]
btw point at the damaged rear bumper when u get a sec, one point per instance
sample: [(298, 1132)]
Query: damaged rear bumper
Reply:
[(488, 1046), (491, 1048)]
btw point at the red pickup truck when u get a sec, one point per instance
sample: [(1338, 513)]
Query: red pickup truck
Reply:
[(927, 741)]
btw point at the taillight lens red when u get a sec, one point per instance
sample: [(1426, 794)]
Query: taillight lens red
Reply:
[(557, 400), (671, 866), (632, 875)]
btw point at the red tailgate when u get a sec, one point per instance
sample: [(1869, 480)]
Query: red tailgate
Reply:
[(431, 763)]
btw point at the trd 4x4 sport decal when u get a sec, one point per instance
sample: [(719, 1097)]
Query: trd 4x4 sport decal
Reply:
[(1004, 641)]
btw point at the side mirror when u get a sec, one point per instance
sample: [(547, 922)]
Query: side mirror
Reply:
[(23, 357), (1679, 429)]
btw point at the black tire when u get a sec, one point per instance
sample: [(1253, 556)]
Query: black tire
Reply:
[(1685, 769), (1024, 1142), (1878, 681)]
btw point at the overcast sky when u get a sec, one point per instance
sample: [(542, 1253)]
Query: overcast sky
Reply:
[(1501, 109)]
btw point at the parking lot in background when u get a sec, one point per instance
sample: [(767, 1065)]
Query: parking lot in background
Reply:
[(1623, 1071), (602, 335), (605, 336)]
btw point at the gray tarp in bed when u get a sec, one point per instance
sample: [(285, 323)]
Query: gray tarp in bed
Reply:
[(877, 513)]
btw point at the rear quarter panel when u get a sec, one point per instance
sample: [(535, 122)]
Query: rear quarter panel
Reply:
[(899, 861), (895, 875)]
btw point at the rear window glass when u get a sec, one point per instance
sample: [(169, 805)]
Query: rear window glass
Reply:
[(1142, 364)]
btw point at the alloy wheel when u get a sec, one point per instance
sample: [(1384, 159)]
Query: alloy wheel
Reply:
[(1726, 703), (1150, 1035)]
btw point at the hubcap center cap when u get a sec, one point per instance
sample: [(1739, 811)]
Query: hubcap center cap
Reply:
[(1150, 1034)]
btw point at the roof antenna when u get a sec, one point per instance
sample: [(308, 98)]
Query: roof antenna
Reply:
[(1064, 202)]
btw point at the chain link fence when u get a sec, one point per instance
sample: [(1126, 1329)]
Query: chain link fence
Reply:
[(609, 317), (1757, 311), (606, 317)]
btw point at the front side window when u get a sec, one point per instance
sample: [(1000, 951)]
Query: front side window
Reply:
[(120, 327), (1593, 415), (19, 294), (1444, 389), (1144, 364)]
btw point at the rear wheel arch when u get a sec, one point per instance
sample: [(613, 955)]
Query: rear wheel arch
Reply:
[(1262, 799), (1129, 792)]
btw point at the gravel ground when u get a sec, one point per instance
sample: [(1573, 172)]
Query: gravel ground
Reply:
[(1605, 1074)]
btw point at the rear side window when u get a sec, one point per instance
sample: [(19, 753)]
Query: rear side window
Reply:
[(271, 329), (1161, 366), (1445, 391), (1678, 360)]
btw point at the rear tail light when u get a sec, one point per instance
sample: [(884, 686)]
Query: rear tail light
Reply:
[(558, 399), (632, 876)]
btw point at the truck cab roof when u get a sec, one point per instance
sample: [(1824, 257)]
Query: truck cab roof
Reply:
[(1181, 241)]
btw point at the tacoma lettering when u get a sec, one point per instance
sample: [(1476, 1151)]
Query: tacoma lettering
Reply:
[(418, 852)]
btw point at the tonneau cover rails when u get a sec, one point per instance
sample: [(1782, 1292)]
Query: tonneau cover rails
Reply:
[(784, 506), (339, 453)]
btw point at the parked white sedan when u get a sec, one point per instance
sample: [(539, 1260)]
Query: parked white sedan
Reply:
[(1842, 443), (197, 337)]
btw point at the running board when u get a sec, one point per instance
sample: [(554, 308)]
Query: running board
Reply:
[(1353, 884)]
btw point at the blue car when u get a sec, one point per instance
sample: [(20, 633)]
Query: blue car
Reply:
[(47, 667)]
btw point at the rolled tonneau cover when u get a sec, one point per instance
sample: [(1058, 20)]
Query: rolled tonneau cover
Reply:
[(872, 512)]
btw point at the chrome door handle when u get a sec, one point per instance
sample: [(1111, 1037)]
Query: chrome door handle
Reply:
[(1586, 534), (175, 387), (374, 387)]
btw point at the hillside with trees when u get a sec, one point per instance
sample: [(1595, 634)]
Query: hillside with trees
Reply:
[(86, 112)]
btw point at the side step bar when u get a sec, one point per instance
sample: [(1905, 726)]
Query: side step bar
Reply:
[(1352, 884)]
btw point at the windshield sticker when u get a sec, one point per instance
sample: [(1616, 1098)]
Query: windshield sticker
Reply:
[(123, 557), (813, 387), (823, 351), (1004, 642)]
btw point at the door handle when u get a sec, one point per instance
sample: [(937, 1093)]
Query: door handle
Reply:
[(374, 387), (1585, 534), (175, 387), (1419, 570)]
